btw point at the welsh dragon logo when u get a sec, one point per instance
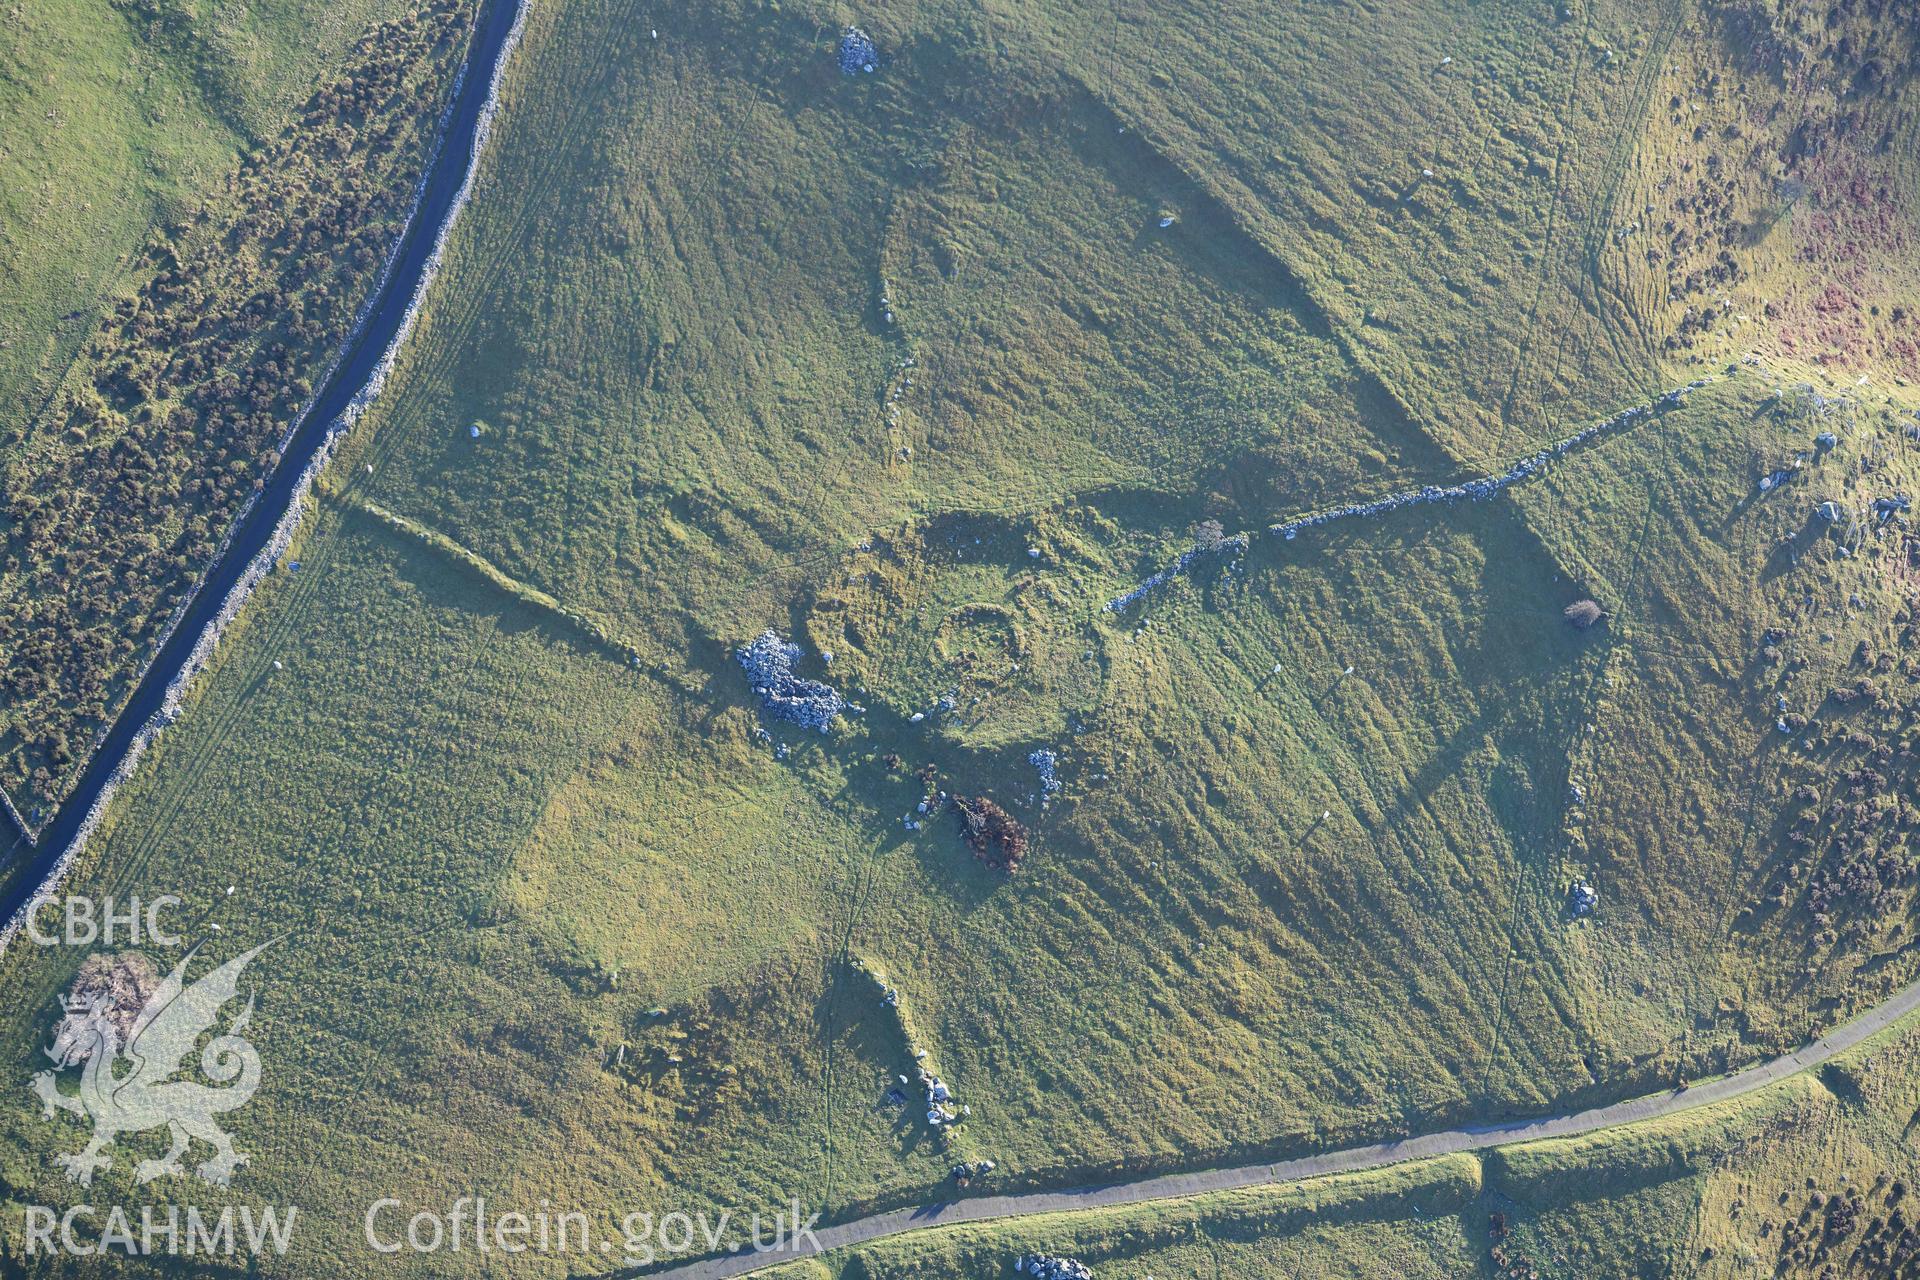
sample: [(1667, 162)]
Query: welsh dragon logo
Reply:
[(128, 1035)]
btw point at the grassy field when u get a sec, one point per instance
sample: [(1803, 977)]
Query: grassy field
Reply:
[(905, 366), (1436, 189)]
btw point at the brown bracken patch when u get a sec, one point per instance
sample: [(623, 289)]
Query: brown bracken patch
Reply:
[(995, 836)]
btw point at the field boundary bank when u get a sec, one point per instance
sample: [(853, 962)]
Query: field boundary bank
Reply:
[(588, 627)]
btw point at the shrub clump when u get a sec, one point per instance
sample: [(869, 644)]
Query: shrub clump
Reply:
[(119, 986), (995, 836), (1583, 614)]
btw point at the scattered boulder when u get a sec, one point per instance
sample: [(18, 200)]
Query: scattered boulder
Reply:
[(857, 52), (1046, 1266), (943, 1109), (1582, 898), (1045, 763), (964, 1173)]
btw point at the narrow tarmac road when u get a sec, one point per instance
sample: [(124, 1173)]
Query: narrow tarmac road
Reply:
[(1349, 1160)]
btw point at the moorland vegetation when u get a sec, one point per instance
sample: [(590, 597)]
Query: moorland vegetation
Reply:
[(172, 414), (117, 119)]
